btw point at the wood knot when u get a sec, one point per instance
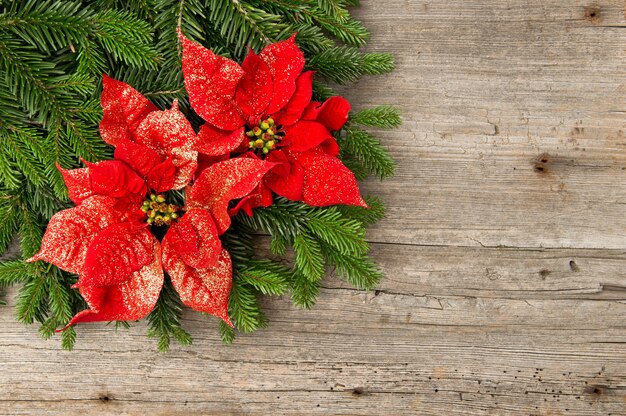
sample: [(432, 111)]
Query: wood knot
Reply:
[(104, 398), (595, 390), (544, 273), (359, 391), (592, 14), (542, 162)]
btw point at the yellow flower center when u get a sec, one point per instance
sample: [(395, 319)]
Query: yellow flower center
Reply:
[(265, 136), (159, 213)]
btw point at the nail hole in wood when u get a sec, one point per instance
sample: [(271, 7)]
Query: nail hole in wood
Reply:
[(544, 273), (593, 14)]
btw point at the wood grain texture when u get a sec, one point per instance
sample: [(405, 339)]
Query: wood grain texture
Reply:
[(504, 248)]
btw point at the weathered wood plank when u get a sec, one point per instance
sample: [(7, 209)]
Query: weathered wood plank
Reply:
[(413, 347), (504, 249), (488, 88)]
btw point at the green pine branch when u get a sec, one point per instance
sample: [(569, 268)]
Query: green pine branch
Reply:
[(304, 291), (52, 55), (360, 271), (265, 276), (347, 236), (164, 320), (244, 309), (31, 302), (383, 116), (364, 148), (320, 238), (309, 260), (343, 64), (366, 216), (30, 232), (10, 216), (14, 271), (341, 25), (243, 25), (48, 25), (126, 38)]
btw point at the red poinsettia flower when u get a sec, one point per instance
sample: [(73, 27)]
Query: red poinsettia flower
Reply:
[(128, 117), (110, 238), (263, 108), (120, 262)]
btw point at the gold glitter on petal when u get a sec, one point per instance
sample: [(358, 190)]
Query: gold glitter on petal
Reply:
[(222, 182), (195, 239), (285, 62), (214, 142), (77, 183), (327, 181), (70, 232), (115, 253), (170, 135), (210, 81), (123, 108), (130, 300), (205, 290)]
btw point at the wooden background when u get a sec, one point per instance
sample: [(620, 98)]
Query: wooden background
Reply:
[(504, 248)]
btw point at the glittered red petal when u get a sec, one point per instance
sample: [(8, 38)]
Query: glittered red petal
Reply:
[(137, 156), (311, 111), (285, 62), (306, 135), (70, 232), (223, 182), (115, 178), (286, 179), (129, 208), (194, 238), (330, 147), (169, 134), (165, 130), (123, 108), (215, 142), (77, 182), (211, 81), (327, 181), (207, 161), (261, 196), (333, 113), (255, 88), (127, 301), (205, 290), (115, 253), (299, 100), (186, 163), (162, 177)]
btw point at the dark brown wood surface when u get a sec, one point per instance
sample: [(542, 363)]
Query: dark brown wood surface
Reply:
[(504, 248)]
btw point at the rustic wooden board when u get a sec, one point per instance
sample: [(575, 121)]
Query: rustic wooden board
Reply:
[(504, 250)]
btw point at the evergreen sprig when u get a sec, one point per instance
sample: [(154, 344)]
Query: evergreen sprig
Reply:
[(384, 116), (320, 238), (243, 25), (52, 55), (344, 64), (244, 308), (266, 276), (164, 320), (364, 148)]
